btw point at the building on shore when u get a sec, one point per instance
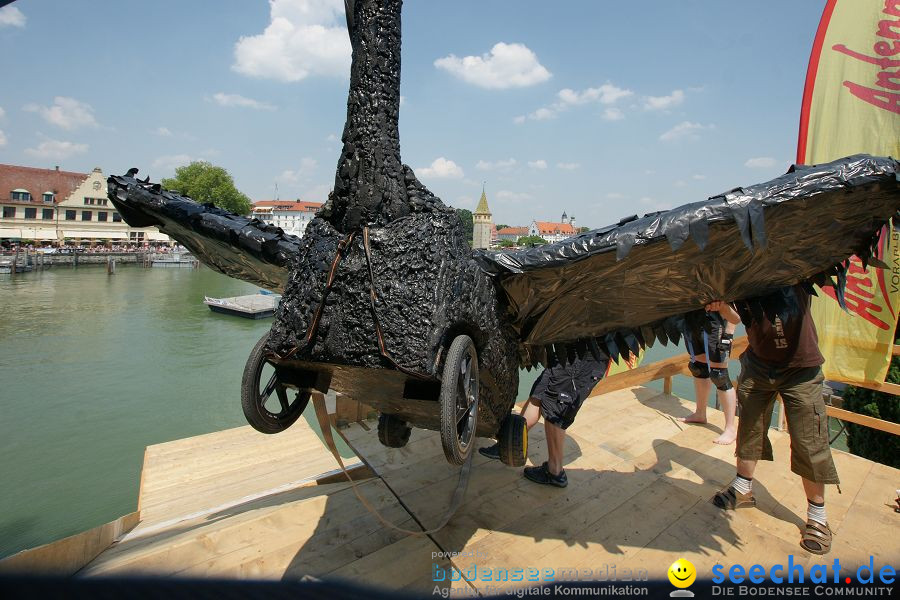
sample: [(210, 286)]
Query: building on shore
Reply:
[(54, 207), (511, 234), (483, 231), (291, 216), (554, 232)]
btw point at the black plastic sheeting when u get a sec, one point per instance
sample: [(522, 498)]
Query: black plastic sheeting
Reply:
[(620, 288), (237, 246)]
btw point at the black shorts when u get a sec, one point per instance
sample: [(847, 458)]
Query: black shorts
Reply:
[(701, 343), (563, 388)]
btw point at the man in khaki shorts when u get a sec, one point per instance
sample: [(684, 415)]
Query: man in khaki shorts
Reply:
[(783, 358)]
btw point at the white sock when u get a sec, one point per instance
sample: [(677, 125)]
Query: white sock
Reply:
[(816, 512), (742, 484)]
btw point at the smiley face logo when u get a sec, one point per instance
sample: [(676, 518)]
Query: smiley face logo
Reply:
[(682, 573)]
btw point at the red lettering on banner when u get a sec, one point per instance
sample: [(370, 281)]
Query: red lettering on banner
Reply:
[(889, 29), (886, 100), (887, 49), (857, 295)]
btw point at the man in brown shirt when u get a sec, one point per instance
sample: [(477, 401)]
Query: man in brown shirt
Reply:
[(783, 359)]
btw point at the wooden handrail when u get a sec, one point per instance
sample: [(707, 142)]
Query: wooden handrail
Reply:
[(678, 365)]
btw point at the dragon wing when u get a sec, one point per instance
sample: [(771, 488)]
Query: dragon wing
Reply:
[(619, 288), (237, 246)]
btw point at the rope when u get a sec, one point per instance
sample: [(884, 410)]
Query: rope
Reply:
[(462, 483)]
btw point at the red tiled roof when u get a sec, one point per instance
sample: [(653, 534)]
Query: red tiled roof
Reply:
[(37, 181), (289, 205), (520, 231), (548, 228)]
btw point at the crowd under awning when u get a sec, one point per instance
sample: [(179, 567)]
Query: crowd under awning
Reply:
[(95, 235)]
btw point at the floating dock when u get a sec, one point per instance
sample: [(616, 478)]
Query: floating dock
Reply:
[(239, 504), (253, 306), (175, 260)]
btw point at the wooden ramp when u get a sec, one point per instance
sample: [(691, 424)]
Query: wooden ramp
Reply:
[(638, 498)]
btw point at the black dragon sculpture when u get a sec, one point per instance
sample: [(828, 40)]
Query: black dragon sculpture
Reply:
[(383, 299)]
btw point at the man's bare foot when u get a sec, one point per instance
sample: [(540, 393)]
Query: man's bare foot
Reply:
[(694, 418), (728, 436)]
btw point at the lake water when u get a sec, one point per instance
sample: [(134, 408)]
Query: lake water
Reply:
[(94, 368)]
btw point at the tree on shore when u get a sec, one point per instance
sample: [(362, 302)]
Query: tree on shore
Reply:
[(531, 240), (207, 183), (468, 224)]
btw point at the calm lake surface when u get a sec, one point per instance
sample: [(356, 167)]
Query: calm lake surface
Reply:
[(94, 368)]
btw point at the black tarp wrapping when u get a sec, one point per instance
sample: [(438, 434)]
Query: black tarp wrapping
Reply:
[(647, 279), (237, 246)]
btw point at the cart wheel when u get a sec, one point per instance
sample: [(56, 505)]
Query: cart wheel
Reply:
[(459, 400), (393, 431), (513, 439), (264, 414)]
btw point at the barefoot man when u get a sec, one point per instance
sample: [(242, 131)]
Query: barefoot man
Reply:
[(709, 365)]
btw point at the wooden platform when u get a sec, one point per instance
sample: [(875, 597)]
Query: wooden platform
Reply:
[(638, 498), (251, 306)]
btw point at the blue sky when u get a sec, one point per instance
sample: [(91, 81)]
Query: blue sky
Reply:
[(602, 109)]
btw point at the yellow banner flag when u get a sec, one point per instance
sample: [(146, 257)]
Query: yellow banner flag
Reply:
[(851, 105)]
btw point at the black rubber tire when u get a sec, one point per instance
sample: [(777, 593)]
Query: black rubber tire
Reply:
[(513, 441), (393, 431), (253, 402), (458, 424)]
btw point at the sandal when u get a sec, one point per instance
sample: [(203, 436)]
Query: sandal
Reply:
[(543, 476), (731, 499), (816, 538)]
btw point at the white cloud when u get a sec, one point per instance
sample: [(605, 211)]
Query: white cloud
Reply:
[(464, 201), (538, 164), (303, 38), (615, 196), (762, 162), (664, 102), (441, 168), (236, 100), (499, 165), (306, 168), (2, 112), (171, 162), (607, 94), (402, 100), (56, 149), (67, 113), (2, 138), (613, 114), (684, 130), (317, 193), (510, 196), (10, 16), (680, 183), (332, 138), (507, 66), (568, 166), (163, 131), (698, 177), (542, 114)]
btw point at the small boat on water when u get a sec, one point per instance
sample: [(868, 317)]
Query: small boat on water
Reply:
[(253, 306)]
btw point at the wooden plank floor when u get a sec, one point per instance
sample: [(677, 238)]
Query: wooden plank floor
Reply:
[(638, 498)]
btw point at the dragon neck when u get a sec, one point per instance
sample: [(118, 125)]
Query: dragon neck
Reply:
[(369, 186)]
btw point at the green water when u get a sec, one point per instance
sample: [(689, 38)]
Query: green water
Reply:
[(93, 368)]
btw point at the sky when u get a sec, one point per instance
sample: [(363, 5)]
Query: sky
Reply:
[(599, 109)]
